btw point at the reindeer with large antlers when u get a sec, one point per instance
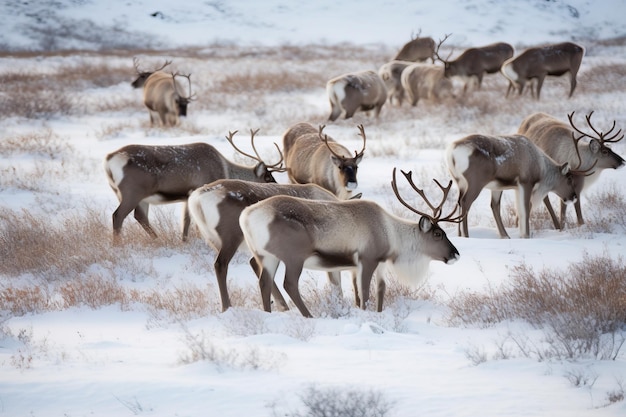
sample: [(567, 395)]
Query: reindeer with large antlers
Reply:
[(474, 63), (313, 157), (141, 175), (339, 235), (163, 94), (508, 162), (562, 143)]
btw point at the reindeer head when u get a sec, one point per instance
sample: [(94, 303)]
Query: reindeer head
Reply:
[(142, 76), (347, 166), (182, 101), (263, 171), (605, 157), (428, 223)]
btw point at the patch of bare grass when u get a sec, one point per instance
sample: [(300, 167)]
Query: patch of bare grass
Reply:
[(582, 310)]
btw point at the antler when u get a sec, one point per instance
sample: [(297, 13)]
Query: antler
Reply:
[(436, 216), (436, 52), (191, 96), (419, 32), (136, 65), (601, 136), (276, 167), (580, 160), (324, 138)]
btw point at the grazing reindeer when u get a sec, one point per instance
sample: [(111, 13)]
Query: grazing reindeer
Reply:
[(337, 235), (216, 207), (417, 49), (355, 91), (425, 81), (474, 63), (141, 175), (537, 63), (162, 95), (313, 157), (559, 141), (507, 162), (390, 73)]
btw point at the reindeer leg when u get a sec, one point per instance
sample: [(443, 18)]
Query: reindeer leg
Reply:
[(266, 272), (355, 286), (292, 277), (334, 278), (579, 212), (380, 291), (141, 215), (557, 224), (186, 221), (523, 210), (496, 197), (278, 296)]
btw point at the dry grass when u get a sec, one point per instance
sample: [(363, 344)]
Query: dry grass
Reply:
[(582, 309)]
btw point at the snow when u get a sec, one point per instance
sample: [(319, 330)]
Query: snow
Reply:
[(119, 361)]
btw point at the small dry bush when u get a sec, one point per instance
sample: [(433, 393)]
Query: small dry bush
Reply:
[(44, 143), (335, 401), (582, 310)]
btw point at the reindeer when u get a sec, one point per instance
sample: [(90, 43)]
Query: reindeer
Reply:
[(390, 73), (355, 91), (559, 141), (417, 49), (338, 235), (162, 94), (216, 208), (474, 63), (537, 63), (141, 175), (425, 81), (313, 157), (507, 162)]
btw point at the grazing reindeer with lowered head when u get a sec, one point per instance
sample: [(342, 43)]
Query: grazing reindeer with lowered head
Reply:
[(162, 94), (536, 63), (339, 235), (425, 81), (474, 63), (216, 208), (390, 73), (355, 91), (141, 175), (507, 162), (313, 157), (417, 49), (562, 143)]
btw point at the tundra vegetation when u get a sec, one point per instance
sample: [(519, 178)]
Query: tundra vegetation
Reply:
[(55, 213)]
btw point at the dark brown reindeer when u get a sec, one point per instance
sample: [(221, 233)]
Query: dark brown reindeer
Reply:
[(216, 208), (339, 235), (162, 94), (356, 91), (474, 63), (513, 162), (141, 175), (537, 63), (562, 142), (417, 49), (313, 157)]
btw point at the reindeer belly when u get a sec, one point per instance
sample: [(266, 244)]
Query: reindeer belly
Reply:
[(330, 261)]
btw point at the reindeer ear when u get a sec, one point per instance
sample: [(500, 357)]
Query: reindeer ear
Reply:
[(425, 224), (336, 161), (594, 146), (565, 169), (260, 169), (358, 159)]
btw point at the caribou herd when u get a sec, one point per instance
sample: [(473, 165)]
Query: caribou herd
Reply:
[(316, 221)]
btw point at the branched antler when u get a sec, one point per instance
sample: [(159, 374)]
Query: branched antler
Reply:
[(601, 136), (436, 51), (191, 96), (436, 210), (276, 166), (324, 138)]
